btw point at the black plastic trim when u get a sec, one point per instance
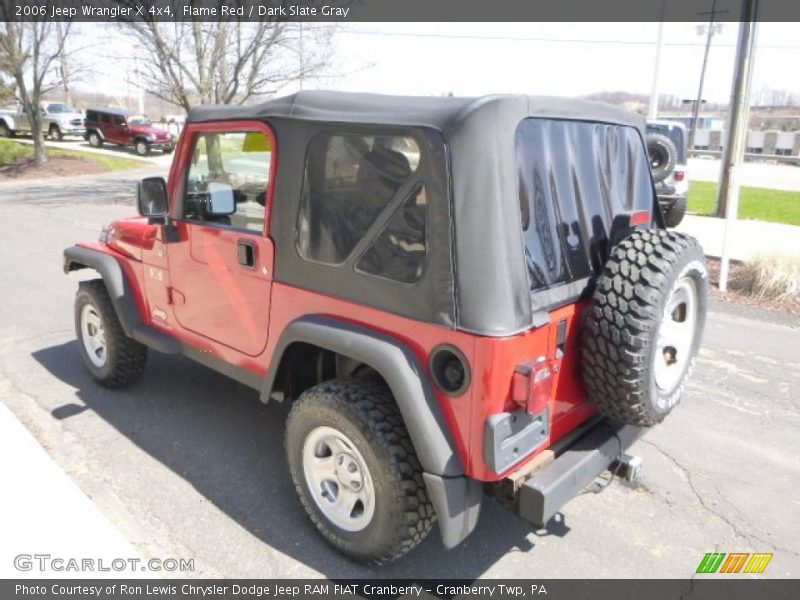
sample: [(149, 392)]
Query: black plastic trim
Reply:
[(511, 436), (400, 368), (541, 496), (442, 386), (457, 501), (119, 289)]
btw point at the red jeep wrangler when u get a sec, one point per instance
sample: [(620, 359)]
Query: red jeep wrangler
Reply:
[(456, 296), (120, 127)]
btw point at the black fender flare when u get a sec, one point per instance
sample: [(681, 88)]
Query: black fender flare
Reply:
[(121, 294), (456, 498), (97, 130)]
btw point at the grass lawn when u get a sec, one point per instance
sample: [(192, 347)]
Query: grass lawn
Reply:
[(11, 152), (777, 206)]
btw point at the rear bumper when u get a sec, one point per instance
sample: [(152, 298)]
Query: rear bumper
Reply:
[(540, 497)]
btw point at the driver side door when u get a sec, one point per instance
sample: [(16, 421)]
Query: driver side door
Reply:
[(222, 261)]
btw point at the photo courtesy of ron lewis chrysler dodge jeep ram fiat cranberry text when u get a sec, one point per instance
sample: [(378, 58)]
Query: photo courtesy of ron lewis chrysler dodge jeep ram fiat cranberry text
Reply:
[(458, 296)]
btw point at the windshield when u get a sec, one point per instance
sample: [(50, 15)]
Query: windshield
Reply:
[(138, 120), (60, 108)]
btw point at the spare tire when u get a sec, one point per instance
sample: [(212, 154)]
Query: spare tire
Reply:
[(642, 332), (662, 155)]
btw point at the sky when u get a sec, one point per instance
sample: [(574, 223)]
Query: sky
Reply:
[(564, 59)]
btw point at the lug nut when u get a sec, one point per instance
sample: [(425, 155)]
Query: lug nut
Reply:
[(351, 467)]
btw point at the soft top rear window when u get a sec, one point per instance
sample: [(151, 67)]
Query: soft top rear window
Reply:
[(573, 178)]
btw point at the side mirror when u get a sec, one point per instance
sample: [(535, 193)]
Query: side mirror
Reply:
[(220, 199), (152, 197)]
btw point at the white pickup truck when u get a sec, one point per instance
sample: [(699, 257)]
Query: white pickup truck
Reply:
[(58, 120)]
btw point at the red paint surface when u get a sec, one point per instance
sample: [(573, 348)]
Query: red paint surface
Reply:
[(238, 315)]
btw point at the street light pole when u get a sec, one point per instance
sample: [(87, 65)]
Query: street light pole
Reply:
[(653, 112), (728, 199), (696, 108)]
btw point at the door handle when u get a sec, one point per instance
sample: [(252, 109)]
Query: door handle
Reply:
[(246, 253)]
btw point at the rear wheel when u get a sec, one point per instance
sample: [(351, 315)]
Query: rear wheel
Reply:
[(113, 359), (5, 131), (95, 140), (643, 330), (355, 470)]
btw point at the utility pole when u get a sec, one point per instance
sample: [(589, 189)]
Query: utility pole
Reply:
[(711, 30), (653, 112), (728, 199)]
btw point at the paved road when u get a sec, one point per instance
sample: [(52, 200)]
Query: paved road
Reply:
[(190, 464)]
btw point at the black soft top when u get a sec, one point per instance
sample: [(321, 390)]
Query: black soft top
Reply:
[(440, 113), (488, 290)]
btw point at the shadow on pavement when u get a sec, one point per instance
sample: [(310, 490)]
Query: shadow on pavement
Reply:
[(218, 436)]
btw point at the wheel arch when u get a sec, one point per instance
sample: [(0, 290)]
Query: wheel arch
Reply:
[(122, 294), (321, 336), (456, 498)]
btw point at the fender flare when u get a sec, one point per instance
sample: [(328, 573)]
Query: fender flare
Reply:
[(455, 497), (121, 294)]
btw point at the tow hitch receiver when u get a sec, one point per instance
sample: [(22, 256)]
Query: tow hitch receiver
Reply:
[(551, 487)]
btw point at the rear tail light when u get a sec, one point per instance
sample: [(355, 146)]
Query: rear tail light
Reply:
[(679, 175), (641, 217), (532, 386)]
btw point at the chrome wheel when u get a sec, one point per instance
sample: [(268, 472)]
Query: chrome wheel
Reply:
[(676, 335), (93, 335), (141, 148), (94, 140), (338, 479)]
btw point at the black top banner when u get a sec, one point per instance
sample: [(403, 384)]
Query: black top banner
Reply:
[(397, 10)]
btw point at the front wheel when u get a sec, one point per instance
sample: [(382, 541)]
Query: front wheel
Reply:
[(113, 359), (355, 470), (5, 131), (142, 148), (55, 133)]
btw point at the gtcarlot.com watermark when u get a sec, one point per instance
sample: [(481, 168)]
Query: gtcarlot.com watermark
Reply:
[(58, 564)]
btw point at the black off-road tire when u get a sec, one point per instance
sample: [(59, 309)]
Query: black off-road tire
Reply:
[(125, 357), (621, 329), (675, 213), (141, 147), (662, 155), (94, 139), (55, 133), (366, 413), (6, 131)]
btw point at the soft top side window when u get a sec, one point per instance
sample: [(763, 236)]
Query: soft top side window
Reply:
[(350, 179)]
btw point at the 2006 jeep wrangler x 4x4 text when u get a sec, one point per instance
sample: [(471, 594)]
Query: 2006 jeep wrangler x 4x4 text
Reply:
[(456, 295)]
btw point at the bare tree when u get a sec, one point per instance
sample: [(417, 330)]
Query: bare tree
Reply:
[(225, 62), (29, 53)]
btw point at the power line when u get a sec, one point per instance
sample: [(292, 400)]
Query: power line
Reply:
[(505, 38)]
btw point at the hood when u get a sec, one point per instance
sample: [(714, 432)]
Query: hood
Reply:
[(150, 130), (66, 116)]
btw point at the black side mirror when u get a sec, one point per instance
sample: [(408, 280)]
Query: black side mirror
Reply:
[(152, 198)]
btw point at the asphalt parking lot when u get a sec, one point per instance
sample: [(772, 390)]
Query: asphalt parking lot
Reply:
[(189, 464)]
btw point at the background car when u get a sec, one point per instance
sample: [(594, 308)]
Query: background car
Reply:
[(119, 126), (667, 148)]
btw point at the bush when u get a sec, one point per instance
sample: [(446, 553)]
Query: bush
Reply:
[(775, 276)]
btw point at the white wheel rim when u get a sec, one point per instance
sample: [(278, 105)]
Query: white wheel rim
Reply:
[(676, 335), (337, 477), (93, 335), (141, 148)]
